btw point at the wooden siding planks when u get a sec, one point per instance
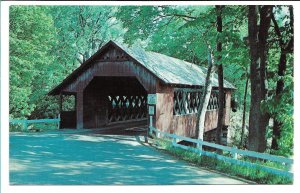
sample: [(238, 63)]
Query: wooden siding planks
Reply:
[(126, 68), (184, 125)]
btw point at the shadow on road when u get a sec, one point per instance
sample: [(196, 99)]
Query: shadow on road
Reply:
[(98, 159)]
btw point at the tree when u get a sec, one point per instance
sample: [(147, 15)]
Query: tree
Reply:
[(47, 44), (82, 30), (32, 36), (220, 124), (258, 35), (183, 32), (155, 18), (211, 68), (286, 47)]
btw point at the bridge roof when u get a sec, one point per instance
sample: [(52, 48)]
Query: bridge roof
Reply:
[(172, 70), (169, 70)]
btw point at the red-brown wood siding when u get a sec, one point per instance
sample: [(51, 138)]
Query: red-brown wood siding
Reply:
[(126, 68), (113, 63), (184, 125), (79, 110)]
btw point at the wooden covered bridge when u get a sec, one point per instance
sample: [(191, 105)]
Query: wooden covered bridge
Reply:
[(112, 87)]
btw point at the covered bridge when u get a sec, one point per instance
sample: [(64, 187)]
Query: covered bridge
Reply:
[(112, 87)]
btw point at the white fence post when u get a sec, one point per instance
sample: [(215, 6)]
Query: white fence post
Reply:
[(199, 146), (58, 123), (233, 152)]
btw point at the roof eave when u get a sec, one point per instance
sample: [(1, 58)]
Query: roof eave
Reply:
[(55, 90)]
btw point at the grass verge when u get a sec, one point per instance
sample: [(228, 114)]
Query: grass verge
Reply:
[(252, 174)]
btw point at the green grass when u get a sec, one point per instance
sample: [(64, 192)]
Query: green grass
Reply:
[(252, 174)]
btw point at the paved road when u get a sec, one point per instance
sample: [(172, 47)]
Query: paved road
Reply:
[(68, 158)]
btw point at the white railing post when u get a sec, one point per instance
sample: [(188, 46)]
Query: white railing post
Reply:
[(234, 153), (58, 123), (199, 147)]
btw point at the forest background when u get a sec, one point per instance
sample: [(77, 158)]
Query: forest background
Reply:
[(48, 42)]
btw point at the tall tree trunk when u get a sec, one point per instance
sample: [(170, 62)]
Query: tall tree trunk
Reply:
[(205, 95), (254, 79), (258, 35), (265, 21), (244, 112), (221, 97)]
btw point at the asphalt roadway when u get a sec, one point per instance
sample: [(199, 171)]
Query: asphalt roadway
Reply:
[(71, 157)]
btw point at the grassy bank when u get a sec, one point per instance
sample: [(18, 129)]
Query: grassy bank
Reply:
[(252, 174)]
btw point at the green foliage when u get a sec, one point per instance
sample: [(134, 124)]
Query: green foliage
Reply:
[(281, 107), (82, 30), (48, 42), (182, 32), (32, 36), (34, 127), (68, 103)]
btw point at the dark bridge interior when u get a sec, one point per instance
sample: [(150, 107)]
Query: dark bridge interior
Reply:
[(114, 100)]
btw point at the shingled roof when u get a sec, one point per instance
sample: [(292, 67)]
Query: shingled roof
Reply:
[(172, 70), (168, 69)]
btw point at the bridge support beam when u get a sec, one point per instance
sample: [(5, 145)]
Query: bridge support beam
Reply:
[(79, 110)]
